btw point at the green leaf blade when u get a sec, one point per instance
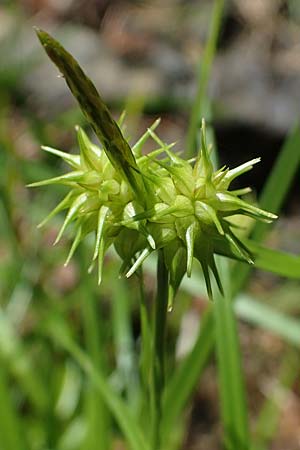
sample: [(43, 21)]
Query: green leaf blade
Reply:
[(94, 109), (133, 434)]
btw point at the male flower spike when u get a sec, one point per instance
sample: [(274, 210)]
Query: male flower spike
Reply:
[(140, 203)]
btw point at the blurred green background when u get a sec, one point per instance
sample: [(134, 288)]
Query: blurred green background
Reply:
[(144, 57)]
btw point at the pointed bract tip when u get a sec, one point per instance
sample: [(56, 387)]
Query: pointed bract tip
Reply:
[(41, 34), (171, 296), (151, 241), (155, 123), (91, 267)]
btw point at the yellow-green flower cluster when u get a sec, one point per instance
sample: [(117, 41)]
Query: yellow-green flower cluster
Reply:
[(140, 203), (184, 208)]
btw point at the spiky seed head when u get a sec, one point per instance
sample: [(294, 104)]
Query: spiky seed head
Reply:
[(140, 203), (187, 215)]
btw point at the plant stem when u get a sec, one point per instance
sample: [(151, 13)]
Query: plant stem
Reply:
[(158, 350), (145, 354), (200, 103)]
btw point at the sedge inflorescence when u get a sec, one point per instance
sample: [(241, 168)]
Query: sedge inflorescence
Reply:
[(182, 207), (143, 202)]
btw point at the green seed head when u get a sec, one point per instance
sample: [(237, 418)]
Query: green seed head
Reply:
[(187, 213), (139, 203)]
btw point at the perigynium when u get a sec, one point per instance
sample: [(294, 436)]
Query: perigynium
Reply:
[(143, 202)]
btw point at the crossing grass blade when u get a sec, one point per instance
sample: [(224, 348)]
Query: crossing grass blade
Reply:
[(266, 317), (280, 263), (265, 258), (254, 312)]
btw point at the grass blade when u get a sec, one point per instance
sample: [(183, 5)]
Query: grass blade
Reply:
[(98, 421), (273, 194), (124, 343), (157, 375), (267, 422), (280, 263), (264, 316), (204, 71), (279, 180), (253, 311), (265, 258), (180, 386), (234, 412), (10, 433), (118, 408), (18, 363)]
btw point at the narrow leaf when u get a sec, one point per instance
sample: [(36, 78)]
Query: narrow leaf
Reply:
[(96, 112), (118, 408)]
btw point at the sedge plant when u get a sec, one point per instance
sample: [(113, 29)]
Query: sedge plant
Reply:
[(143, 204)]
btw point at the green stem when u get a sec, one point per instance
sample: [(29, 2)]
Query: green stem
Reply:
[(145, 355), (200, 103), (158, 355)]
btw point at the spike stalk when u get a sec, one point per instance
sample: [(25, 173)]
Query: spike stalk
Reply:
[(160, 309)]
